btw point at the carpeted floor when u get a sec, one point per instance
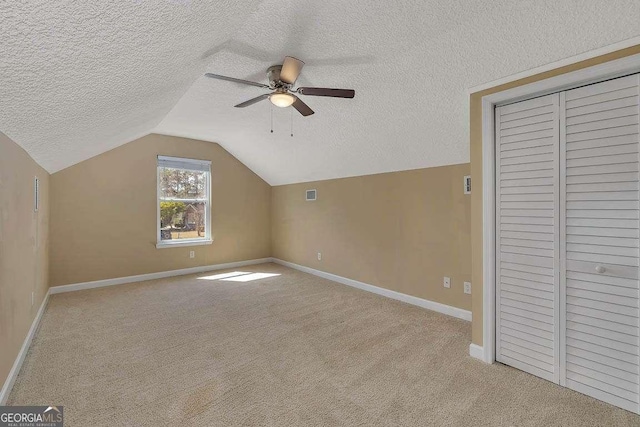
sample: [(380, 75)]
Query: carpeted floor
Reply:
[(286, 350)]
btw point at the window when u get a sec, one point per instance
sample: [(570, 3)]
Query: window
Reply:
[(183, 201)]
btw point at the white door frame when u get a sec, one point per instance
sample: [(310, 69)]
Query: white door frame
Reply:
[(597, 73)]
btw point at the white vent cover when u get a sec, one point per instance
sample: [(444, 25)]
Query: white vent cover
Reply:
[(36, 194), (311, 195), (467, 184)]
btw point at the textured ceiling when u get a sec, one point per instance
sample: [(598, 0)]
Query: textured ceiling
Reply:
[(80, 78)]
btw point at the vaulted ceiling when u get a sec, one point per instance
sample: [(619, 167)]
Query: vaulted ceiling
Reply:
[(80, 78)]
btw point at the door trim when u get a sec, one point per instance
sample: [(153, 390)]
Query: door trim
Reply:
[(562, 311), (595, 74), (624, 44)]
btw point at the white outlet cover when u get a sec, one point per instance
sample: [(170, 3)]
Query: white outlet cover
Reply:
[(467, 287), (319, 256), (447, 282)]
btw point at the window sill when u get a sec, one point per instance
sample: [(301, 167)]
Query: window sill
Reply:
[(178, 244)]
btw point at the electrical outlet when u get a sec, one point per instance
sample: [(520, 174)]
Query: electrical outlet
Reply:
[(467, 287), (192, 254), (319, 256), (447, 282)]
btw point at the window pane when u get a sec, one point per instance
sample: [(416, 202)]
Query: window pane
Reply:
[(182, 184), (180, 220)]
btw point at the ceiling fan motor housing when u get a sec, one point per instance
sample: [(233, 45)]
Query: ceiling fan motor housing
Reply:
[(273, 74)]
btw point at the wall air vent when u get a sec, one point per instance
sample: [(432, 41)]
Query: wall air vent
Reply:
[(311, 195), (36, 194)]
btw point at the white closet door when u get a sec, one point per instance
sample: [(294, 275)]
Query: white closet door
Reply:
[(527, 248), (599, 237)]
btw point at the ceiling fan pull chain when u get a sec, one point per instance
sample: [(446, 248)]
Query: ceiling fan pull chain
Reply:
[(271, 109), (292, 123)]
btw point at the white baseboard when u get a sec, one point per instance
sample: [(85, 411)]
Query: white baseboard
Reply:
[(17, 364), (430, 305), (476, 351), (152, 276)]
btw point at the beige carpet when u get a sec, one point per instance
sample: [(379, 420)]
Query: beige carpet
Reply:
[(286, 350)]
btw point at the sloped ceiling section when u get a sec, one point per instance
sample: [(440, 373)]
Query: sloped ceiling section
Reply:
[(79, 78)]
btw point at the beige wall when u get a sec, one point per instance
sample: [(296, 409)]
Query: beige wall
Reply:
[(402, 231), (23, 248), (476, 171), (105, 209)]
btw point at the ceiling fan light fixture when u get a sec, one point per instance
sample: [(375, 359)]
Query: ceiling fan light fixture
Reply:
[(282, 100)]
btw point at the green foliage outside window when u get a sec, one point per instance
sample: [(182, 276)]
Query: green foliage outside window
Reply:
[(168, 210)]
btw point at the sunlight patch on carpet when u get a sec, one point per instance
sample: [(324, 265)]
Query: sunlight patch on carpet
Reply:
[(223, 275), (249, 277)]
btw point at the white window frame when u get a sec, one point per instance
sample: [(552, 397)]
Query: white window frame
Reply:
[(206, 240)]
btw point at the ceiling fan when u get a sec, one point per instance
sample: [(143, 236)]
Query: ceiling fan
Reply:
[(281, 81)]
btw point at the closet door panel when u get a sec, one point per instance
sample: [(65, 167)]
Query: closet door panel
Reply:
[(527, 184), (599, 235)]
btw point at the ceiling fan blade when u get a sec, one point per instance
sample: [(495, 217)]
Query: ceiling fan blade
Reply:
[(322, 91), (232, 79), (291, 68), (253, 101), (302, 107)]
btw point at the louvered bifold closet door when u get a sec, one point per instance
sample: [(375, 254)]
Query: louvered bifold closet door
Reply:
[(599, 238), (527, 217)]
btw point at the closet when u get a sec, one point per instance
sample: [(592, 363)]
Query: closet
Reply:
[(567, 239)]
